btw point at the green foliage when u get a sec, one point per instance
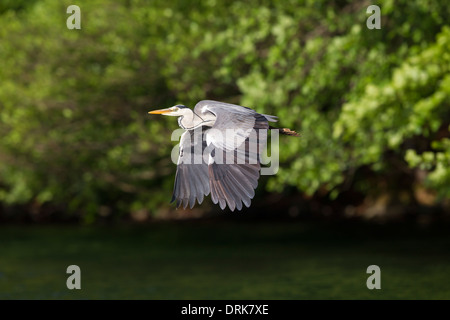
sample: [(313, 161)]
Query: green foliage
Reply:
[(73, 119), (408, 112), (74, 130)]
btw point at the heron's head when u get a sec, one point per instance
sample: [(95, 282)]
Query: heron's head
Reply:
[(175, 111)]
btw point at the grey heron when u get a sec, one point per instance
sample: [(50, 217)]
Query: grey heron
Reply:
[(216, 131)]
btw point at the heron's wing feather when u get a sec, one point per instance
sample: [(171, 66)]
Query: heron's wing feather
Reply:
[(192, 177), (233, 177), (233, 184)]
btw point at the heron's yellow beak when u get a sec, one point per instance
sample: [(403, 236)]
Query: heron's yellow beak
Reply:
[(161, 111)]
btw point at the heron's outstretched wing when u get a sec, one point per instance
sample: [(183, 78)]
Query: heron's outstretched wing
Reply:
[(192, 177), (238, 137), (233, 184)]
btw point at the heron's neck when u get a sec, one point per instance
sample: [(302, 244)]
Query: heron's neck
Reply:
[(190, 121)]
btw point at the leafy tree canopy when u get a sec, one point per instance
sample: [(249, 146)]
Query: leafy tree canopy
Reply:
[(372, 105)]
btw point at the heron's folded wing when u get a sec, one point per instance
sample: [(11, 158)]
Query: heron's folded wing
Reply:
[(233, 123), (192, 177)]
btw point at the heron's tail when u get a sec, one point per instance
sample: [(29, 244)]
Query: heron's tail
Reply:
[(287, 131)]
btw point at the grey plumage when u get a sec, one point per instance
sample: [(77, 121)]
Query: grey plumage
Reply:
[(212, 162)]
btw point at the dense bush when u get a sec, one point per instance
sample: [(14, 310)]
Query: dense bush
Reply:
[(73, 118)]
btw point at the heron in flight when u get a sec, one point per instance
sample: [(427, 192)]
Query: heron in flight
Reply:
[(219, 153)]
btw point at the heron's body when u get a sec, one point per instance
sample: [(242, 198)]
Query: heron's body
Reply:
[(219, 153)]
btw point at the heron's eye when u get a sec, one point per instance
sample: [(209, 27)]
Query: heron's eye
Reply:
[(175, 109)]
